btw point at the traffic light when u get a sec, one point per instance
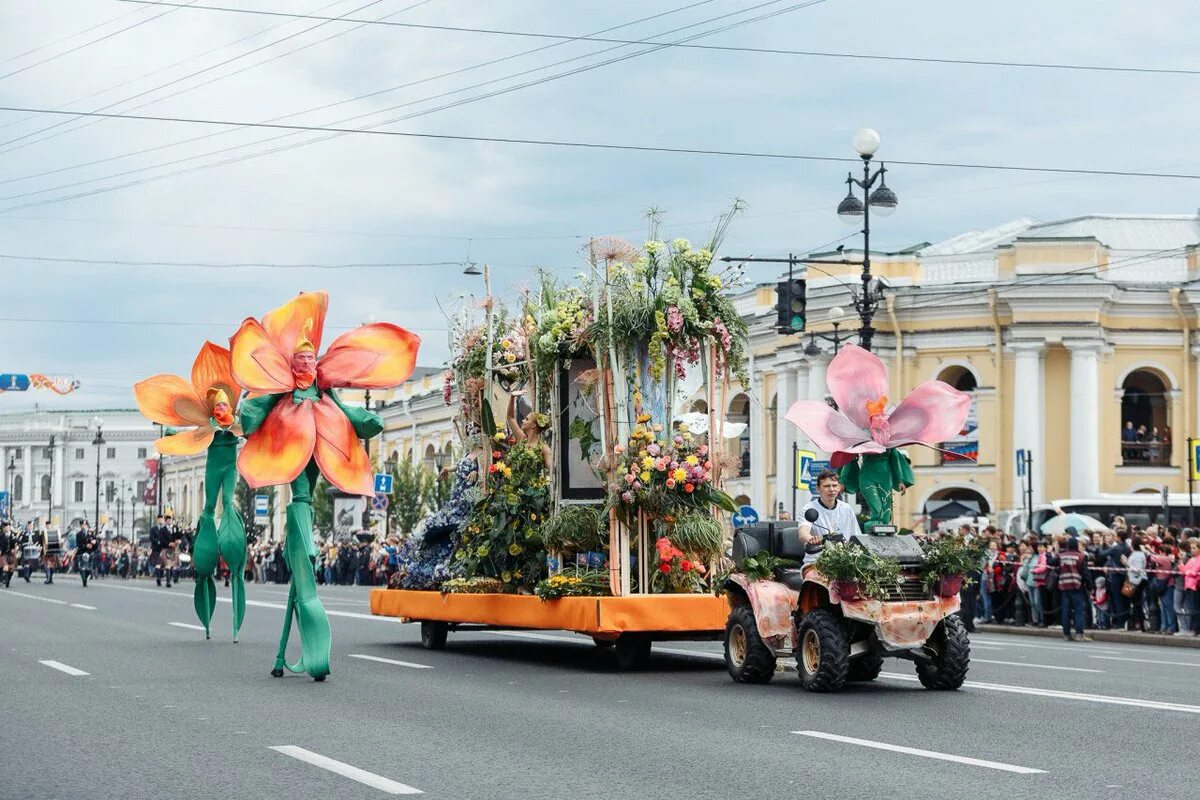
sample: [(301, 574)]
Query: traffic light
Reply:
[(790, 306)]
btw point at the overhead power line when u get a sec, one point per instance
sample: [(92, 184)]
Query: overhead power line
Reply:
[(723, 48), (71, 36), (598, 146)]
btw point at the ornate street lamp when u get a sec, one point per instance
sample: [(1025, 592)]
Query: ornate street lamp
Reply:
[(98, 442)]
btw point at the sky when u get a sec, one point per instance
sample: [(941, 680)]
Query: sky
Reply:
[(246, 196)]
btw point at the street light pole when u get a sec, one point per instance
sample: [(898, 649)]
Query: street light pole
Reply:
[(50, 499), (99, 442)]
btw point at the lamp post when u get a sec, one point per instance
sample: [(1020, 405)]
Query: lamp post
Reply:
[(852, 209), (835, 318), (133, 537), (99, 442)]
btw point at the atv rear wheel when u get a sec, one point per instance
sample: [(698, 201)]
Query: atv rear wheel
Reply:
[(747, 657), (951, 648), (822, 652), (865, 668)]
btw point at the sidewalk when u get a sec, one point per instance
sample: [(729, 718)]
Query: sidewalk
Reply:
[(1126, 637)]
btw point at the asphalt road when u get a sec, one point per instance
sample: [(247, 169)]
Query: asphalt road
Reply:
[(161, 713)]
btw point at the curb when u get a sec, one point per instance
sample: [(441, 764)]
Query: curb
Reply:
[(1124, 637)]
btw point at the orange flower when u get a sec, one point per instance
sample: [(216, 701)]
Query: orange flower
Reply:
[(375, 356), (170, 400)]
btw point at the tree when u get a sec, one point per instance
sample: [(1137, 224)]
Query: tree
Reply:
[(322, 505), (409, 493), (243, 499)]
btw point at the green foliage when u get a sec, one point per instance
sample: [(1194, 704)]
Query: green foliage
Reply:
[(950, 555), (574, 583), (437, 489), (699, 534), (840, 561), (585, 432), (761, 567), (409, 493), (575, 528), (322, 505)]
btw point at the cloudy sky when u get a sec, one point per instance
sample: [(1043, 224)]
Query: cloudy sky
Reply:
[(173, 192)]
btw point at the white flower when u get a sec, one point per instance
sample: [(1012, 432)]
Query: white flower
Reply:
[(681, 245), (653, 246)]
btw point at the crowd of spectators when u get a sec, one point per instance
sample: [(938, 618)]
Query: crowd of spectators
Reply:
[(1129, 579)]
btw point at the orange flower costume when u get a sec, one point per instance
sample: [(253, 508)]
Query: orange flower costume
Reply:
[(297, 429), (207, 407)]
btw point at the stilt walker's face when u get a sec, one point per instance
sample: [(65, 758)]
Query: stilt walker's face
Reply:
[(304, 362)]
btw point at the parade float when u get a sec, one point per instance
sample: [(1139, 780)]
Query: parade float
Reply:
[(843, 606), (581, 503)]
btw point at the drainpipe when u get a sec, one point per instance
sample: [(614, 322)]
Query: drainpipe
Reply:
[(998, 335), (1187, 381)]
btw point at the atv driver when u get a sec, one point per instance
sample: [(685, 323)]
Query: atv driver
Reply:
[(834, 517)]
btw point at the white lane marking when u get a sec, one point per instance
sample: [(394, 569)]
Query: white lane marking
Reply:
[(912, 751), (1150, 661), (187, 625), (1075, 647), (1035, 666), (345, 770), (258, 603), (61, 667), (35, 597), (81, 605), (695, 653), (389, 661), (1153, 705)]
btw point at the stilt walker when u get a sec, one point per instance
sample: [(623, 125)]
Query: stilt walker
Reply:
[(297, 429), (207, 407)]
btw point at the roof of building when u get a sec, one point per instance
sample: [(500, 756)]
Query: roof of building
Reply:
[(1135, 232)]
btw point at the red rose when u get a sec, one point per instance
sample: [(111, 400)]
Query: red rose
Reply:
[(687, 565), (664, 567), (495, 454), (491, 468), (689, 488)]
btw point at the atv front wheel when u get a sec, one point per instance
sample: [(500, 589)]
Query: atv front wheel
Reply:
[(433, 634), (747, 657), (822, 653), (947, 669), (865, 668)]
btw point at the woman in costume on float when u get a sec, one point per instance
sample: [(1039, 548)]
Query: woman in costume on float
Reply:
[(207, 405), (297, 430)]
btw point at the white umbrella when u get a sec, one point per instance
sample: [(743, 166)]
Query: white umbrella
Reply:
[(1080, 522), (697, 422)]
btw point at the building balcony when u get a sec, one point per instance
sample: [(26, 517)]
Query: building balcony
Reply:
[(1145, 454)]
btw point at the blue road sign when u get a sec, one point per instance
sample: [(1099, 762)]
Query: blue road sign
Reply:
[(1020, 463), (383, 483), (746, 515), (262, 505), (379, 502), (815, 468), (4, 501)]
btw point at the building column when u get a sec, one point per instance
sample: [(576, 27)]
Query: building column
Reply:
[(803, 371), (758, 446), (1029, 414), (785, 389), (817, 389), (59, 492), (30, 492), (1085, 416)]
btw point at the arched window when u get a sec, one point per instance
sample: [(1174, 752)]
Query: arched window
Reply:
[(45, 487), (430, 452), (1145, 419), (739, 448), (18, 490), (964, 448)]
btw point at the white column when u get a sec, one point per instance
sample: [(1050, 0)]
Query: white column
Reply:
[(802, 376), (1182, 427), (817, 366), (758, 445), (1029, 413), (60, 475), (28, 491), (785, 388), (1085, 416)]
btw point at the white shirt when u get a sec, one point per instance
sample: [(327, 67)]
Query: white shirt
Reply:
[(839, 519)]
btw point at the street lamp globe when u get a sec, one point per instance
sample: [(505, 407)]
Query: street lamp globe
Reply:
[(883, 200), (866, 142), (850, 210), (836, 313)]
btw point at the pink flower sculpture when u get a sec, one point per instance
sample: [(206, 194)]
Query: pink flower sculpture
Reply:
[(858, 381)]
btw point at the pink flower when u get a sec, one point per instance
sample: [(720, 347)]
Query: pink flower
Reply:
[(674, 319), (627, 497), (629, 477), (858, 382), (703, 450), (653, 449), (670, 483), (619, 449)]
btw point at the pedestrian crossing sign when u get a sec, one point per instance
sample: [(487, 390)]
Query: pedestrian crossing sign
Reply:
[(803, 469), (1195, 445)]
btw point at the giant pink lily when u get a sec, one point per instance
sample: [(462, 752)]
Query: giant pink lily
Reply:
[(858, 381)]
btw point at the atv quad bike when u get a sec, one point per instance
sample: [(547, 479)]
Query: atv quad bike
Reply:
[(835, 634)]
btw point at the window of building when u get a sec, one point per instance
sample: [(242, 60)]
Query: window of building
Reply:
[(1145, 420), (141, 490), (141, 452), (18, 490), (45, 487), (47, 452), (739, 412), (964, 448), (78, 491), (112, 453), (110, 491), (79, 454)]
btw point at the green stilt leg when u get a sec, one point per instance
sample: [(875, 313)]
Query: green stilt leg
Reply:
[(204, 561), (300, 553), (221, 474)]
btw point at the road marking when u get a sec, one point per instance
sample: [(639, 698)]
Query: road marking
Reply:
[(345, 770), (1036, 666), (35, 597), (257, 603), (1150, 661), (1154, 705), (81, 605), (912, 751), (187, 625), (61, 667), (1076, 648), (680, 652), (389, 661)]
